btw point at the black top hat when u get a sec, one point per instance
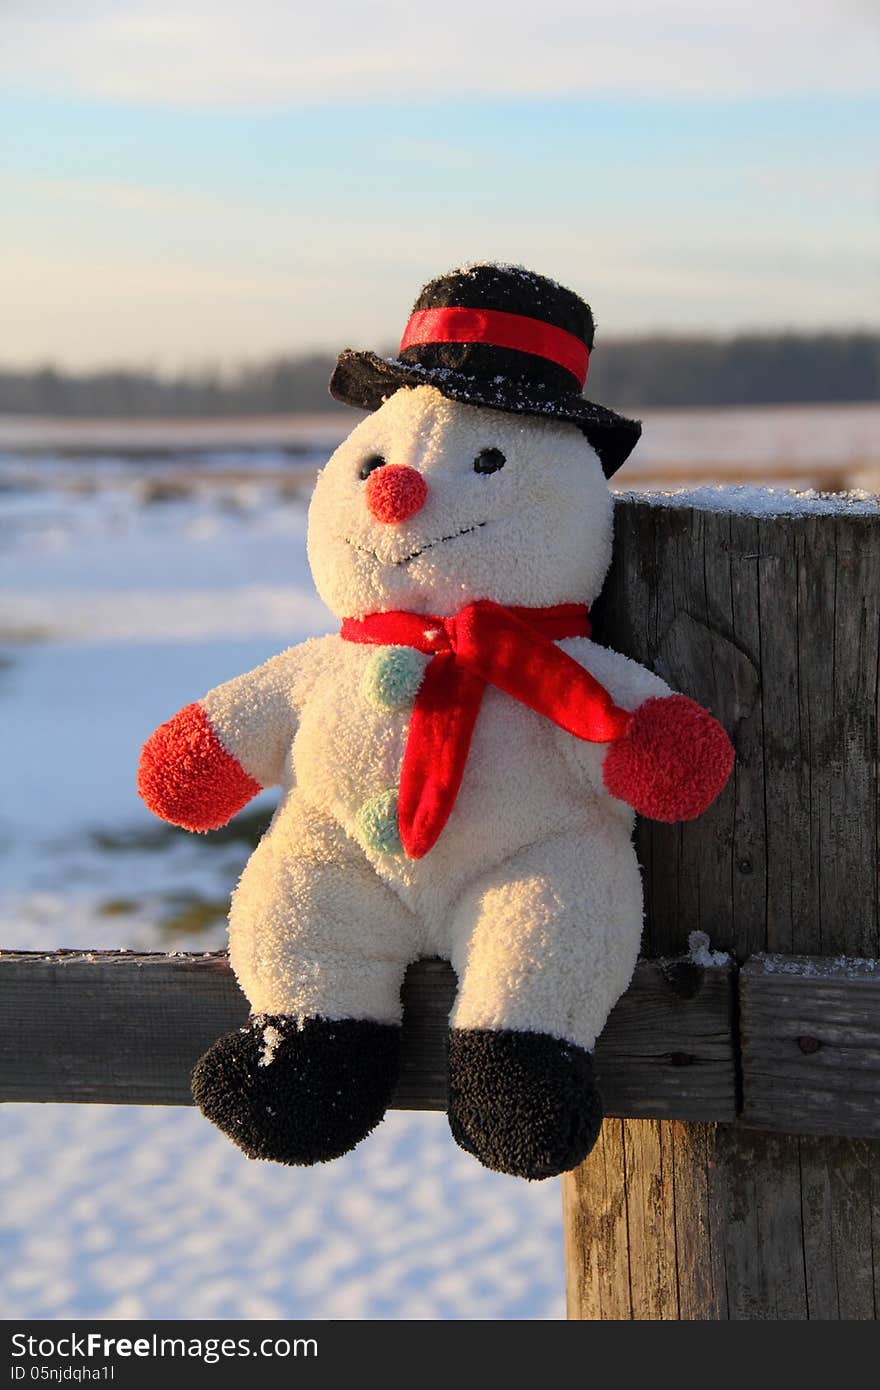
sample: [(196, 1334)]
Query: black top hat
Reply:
[(495, 336)]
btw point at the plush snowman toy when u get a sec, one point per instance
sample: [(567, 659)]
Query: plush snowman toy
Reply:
[(459, 764)]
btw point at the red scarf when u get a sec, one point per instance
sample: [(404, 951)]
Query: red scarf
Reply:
[(484, 644)]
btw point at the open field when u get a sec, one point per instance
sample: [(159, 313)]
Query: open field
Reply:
[(823, 446)]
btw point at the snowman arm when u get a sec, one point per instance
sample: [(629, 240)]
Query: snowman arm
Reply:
[(628, 683), (629, 686), (674, 759), (207, 762)]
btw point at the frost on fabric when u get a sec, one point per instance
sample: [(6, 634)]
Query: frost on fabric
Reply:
[(761, 501), (701, 953), (503, 395), (272, 1039), (529, 277)]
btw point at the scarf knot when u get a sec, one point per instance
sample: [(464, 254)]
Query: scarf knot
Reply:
[(514, 650)]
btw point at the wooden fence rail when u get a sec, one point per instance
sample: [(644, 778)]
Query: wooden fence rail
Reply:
[(802, 1050), (119, 1027)]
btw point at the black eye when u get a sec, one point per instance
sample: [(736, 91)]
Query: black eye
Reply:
[(371, 464), (489, 461)]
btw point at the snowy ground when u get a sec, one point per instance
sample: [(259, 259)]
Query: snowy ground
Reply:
[(120, 600)]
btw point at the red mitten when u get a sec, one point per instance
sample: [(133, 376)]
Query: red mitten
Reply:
[(187, 777), (672, 762)]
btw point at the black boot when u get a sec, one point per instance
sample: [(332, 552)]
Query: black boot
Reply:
[(522, 1103), (298, 1093)]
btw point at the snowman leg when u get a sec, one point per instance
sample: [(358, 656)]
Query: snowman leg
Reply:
[(320, 946), (543, 946)]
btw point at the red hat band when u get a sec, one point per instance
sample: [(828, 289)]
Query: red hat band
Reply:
[(498, 329)]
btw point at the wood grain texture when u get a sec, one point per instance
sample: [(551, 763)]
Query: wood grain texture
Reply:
[(773, 622), (639, 1218), (111, 1026), (717, 1222), (118, 1027), (810, 1031), (668, 1049)]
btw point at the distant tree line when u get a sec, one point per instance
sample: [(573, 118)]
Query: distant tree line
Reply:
[(750, 369), (284, 385)]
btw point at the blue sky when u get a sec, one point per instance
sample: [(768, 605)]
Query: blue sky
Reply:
[(182, 186)]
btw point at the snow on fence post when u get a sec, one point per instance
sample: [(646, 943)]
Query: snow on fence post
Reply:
[(765, 609)]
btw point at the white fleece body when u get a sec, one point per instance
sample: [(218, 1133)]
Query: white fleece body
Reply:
[(532, 890)]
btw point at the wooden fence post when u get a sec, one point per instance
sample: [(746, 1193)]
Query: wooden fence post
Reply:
[(768, 614)]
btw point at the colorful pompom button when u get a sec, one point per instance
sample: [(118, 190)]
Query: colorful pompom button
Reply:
[(376, 824), (392, 677)]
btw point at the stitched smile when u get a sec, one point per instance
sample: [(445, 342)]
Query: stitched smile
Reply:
[(429, 545)]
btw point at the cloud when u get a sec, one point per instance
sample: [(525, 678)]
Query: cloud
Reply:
[(269, 53), (133, 306)]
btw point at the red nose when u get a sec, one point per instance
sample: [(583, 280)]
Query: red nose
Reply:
[(394, 492)]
